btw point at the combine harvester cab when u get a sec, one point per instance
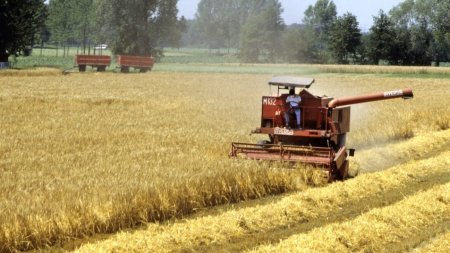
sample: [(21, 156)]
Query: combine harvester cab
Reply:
[(324, 123)]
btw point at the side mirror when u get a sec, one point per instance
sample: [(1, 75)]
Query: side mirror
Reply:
[(351, 152)]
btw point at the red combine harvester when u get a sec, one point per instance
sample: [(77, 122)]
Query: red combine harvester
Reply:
[(143, 63), (98, 61), (320, 138)]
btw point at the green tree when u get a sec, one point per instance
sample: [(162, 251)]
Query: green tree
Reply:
[(61, 22), (20, 20), (361, 56), (299, 45), (137, 27), (261, 35), (428, 24), (421, 43), (174, 38), (84, 18), (440, 19), (191, 37), (167, 28), (43, 36), (219, 22), (320, 17), (345, 38), (381, 37), (400, 47), (73, 22)]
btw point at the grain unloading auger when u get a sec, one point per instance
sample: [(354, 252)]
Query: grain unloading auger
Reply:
[(320, 138)]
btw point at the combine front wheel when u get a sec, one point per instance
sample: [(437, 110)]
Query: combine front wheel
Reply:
[(339, 173)]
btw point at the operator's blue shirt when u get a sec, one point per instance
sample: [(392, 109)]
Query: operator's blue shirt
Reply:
[(293, 100)]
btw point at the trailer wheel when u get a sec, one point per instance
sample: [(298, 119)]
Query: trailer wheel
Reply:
[(124, 69), (101, 68), (143, 70), (82, 68)]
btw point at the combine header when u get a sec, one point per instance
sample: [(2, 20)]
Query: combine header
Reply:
[(319, 139)]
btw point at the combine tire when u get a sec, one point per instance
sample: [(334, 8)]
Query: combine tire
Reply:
[(353, 171)]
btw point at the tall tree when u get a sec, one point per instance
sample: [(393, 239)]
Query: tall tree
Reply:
[(20, 20), (381, 36), (410, 47), (320, 17), (261, 35), (137, 26), (421, 43), (299, 45), (428, 24), (174, 38), (345, 38), (73, 21), (84, 19), (219, 22), (440, 19), (191, 37), (167, 27)]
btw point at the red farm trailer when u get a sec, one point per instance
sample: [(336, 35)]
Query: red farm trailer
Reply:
[(143, 63), (98, 61)]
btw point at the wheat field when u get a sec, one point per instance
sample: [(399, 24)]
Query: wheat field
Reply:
[(95, 153), (307, 212)]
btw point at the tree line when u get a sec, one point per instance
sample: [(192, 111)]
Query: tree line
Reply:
[(415, 32), (137, 27)]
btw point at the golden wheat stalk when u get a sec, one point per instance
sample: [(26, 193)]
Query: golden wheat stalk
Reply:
[(249, 225)]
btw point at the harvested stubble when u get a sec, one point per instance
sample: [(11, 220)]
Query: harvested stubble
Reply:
[(439, 244), (244, 228), (395, 228), (31, 72), (88, 153)]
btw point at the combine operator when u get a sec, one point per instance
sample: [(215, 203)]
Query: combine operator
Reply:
[(292, 102)]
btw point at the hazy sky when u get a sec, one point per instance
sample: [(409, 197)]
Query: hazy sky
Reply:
[(294, 9)]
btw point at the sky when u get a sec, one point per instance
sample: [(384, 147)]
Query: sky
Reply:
[(364, 10)]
